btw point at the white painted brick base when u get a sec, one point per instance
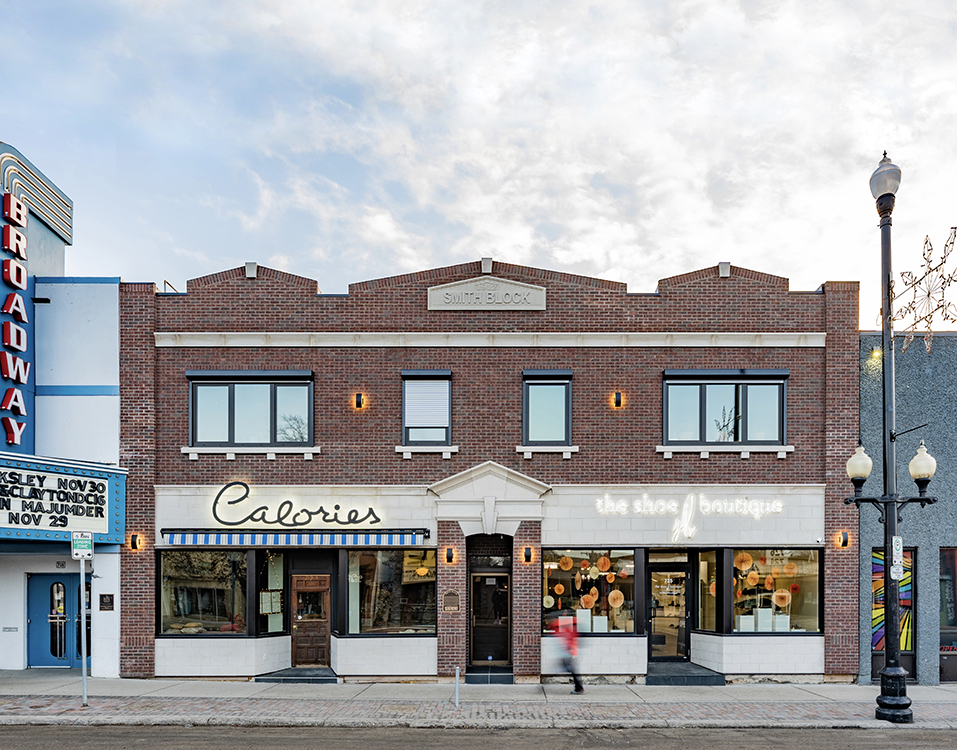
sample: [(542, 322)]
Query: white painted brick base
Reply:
[(742, 654), (221, 657), (599, 656), (363, 657)]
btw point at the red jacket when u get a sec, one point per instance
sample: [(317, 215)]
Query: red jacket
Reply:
[(569, 635)]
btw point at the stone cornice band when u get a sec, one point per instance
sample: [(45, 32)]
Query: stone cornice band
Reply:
[(292, 339)]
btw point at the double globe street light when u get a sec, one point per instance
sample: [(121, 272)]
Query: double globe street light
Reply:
[(892, 704)]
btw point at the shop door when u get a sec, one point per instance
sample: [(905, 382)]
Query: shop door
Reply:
[(491, 619), (310, 621), (668, 613), (53, 620)]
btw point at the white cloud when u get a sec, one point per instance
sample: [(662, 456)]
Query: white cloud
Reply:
[(379, 230), (629, 139)]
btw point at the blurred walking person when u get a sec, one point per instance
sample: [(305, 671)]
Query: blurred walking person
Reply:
[(568, 635)]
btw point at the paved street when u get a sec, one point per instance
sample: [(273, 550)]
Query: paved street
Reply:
[(53, 697), (387, 738)]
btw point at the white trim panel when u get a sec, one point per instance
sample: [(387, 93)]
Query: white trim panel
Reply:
[(445, 450), (296, 339)]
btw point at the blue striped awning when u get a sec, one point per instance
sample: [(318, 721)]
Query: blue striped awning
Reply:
[(384, 538)]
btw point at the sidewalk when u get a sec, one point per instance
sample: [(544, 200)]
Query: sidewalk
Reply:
[(53, 697)]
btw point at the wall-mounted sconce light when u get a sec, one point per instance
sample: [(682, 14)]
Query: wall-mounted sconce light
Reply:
[(448, 555), (134, 541), (617, 399), (528, 554), (359, 400), (842, 539)]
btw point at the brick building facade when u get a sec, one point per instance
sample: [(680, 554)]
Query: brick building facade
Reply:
[(452, 458)]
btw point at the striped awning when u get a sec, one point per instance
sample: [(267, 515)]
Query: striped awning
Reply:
[(380, 538)]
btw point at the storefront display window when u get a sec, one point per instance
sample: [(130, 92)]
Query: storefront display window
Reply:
[(906, 597), (948, 615), (596, 585), (271, 600), (391, 591), (202, 591), (776, 590), (707, 590)]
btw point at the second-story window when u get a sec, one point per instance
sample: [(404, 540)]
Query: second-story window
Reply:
[(714, 407), (547, 409), (426, 407), (251, 408)]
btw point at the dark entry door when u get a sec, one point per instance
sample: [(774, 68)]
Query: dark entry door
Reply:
[(53, 620), (310, 621), (491, 619), (668, 612)]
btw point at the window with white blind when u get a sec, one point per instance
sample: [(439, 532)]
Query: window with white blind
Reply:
[(426, 407)]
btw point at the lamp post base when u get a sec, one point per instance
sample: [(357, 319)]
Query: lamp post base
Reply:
[(893, 705), (895, 715)]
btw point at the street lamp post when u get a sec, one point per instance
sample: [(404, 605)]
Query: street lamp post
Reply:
[(892, 704)]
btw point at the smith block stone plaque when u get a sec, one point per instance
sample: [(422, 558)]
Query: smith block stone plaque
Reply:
[(486, 293)]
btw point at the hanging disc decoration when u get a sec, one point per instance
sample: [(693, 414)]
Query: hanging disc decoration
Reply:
[(743, 561)]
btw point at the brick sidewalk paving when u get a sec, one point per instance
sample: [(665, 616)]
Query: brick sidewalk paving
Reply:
[(418, 713)]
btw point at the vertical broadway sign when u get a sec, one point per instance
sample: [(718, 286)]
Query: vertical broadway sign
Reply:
[(14, 320)]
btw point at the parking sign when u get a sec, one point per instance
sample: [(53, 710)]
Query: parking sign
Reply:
[(897, 550), (81, 544)]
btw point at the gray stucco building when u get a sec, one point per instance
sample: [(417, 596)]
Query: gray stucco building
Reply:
[(926, 393)]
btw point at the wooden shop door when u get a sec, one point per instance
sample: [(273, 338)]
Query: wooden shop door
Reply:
[(310, 621)]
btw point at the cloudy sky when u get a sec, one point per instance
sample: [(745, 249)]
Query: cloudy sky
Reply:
[(343, 141)]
